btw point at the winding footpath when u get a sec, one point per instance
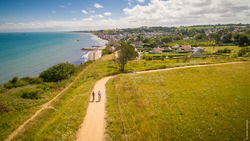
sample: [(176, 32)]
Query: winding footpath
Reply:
[(94, 124)]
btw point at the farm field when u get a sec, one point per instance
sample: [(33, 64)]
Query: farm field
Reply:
[(206, 103)]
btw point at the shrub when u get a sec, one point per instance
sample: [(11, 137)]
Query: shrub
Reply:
[(58, 72), (29, 93), (14, 82), (242, 51), (4, 108), (185, 58), (44, 86), (34, 80), (8, 85)]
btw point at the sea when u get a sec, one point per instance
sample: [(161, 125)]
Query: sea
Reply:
[(28, 54)]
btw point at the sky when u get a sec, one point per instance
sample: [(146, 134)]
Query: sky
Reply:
[(74, 15)]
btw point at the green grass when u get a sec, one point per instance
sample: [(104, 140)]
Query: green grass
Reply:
[(208, 103), (235, 49), (62, 122)]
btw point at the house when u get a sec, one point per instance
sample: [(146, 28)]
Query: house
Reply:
[(179, 50), (176, 46), (136, 43), (196, 53), (185, 46), (158, 44), (156, 51), (188, 49), (112, 48), (200, 49), (117, 45)]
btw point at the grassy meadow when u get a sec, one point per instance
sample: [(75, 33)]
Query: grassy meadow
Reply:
[(62, 120), (205, 103), (213, 49)]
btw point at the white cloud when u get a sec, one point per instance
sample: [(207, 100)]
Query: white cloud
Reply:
[(98, 5), (70, 3), (156, 13), (62, 6), (73, 12), (87, 19), (129, 4), (141, 1), (85, 12), (107, 14), (187, 12), (99, 16), (74, 19), (53, 11), (92, 11)]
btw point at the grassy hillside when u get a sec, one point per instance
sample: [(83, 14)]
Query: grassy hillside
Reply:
[(207, 103)]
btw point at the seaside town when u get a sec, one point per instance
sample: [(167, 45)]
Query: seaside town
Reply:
[(174, 41), (124, 70)]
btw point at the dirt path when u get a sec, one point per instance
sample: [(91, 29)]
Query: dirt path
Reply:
[(93, 126), (44, 106)]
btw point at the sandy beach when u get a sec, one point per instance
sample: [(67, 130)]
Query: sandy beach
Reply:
[(98, 37)]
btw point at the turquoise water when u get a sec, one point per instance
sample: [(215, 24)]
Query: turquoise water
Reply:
[(28, 54)]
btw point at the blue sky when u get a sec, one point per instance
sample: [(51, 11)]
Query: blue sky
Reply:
[(67, 15)]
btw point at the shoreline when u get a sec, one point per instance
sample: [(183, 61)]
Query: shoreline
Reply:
[(35, 71), (89, 33), (98, 37)]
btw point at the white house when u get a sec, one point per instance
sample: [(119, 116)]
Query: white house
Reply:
[(196, 52), (176, 46)]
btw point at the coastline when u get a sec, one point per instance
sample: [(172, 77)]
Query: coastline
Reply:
[(98, 37), (31, 68)]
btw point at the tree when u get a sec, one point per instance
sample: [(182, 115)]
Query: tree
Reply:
[(227, 38), (237, 37), (177, 37), (58, 72), (166, 39), (126, 52), (198, 36), (243, 39), (191, 32)]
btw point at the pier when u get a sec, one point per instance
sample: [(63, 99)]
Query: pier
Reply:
[(93, 48), (95, 52)]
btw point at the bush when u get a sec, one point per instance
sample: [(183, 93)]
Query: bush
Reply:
[(185, 58), (44, 86), (4, 108), (58, 72), (34, 80), (225, 50), (14, 82), (243, 51), (8, 85), (29, 93)]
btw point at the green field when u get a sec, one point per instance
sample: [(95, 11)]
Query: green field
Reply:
[(213, 49), (207, 103), (63, 118)]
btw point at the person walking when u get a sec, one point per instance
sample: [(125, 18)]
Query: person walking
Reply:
[(93, 94), (99, 95)]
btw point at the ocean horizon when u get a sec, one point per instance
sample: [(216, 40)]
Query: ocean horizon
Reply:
[(30, 53)]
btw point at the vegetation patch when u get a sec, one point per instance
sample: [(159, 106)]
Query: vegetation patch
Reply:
[(207, 103)]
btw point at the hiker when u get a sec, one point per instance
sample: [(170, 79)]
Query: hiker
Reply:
[(99, 95), (93, 94)]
